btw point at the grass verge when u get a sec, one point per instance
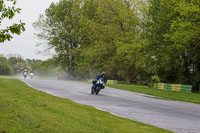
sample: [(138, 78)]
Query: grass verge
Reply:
[(25, 110), (4, 76), (170, 95)]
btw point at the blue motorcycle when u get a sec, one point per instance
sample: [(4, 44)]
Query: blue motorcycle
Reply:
[(97, 86)]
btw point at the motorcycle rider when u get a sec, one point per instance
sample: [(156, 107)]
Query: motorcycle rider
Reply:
[(25, 73), (31, 74), (102, 77)]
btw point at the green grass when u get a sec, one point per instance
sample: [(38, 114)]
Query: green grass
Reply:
[(2, 76), (36, 77), (26, 110), (171, 95)]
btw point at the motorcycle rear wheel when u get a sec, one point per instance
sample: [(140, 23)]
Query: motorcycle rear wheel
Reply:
[(92, 90)]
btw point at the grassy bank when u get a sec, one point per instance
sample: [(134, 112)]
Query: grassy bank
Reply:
[(25, 110), (171, 95), (3, 76)]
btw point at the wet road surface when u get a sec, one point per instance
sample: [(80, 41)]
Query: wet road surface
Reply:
[(180, 117)]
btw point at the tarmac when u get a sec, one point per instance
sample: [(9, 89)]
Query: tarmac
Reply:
[(180, 117)]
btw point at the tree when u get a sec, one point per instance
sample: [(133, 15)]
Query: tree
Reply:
[(92, 36), (5, 69), (59, 26), (44, 68), (9, 12), (173, 36), (17, 63), (110, 33), (184, 34)]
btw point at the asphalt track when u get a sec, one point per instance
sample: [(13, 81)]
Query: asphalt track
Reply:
[(180, 117)]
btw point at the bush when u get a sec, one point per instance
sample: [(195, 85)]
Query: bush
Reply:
[(5, 69), (154, 79), (196, 87)]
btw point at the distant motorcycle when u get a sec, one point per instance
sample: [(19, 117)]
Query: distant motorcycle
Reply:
[(99, 85), (25, 74), (31, 74)]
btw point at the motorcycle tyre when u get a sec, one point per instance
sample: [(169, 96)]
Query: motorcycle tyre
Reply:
[(92, 91), (97, 92)]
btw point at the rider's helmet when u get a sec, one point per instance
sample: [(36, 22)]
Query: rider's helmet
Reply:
[(103, 73), (25, 70)]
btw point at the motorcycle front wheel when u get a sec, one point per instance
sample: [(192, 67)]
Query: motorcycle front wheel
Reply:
[(97, 90)]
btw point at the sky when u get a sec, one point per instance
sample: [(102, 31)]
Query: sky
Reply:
[(26, 43)]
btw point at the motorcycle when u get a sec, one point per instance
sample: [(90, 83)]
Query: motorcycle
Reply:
[(99, 85), (25, 74), (31, 74)]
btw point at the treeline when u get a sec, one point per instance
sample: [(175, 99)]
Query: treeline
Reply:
[(15, 64), (132, 40)]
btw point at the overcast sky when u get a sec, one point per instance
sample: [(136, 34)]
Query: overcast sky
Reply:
[(25, 44)]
